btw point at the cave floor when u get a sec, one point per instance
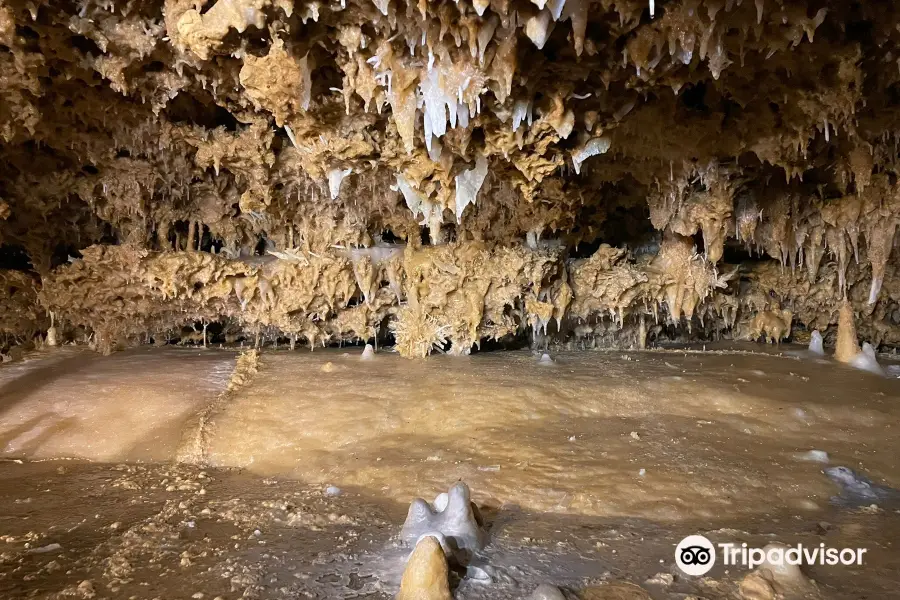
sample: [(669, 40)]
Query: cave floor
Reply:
[(588, 471)]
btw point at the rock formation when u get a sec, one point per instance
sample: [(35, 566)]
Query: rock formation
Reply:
[(778, 580), (438, 174), (546, 591), (426, 573), (847, 345), (450, 519)]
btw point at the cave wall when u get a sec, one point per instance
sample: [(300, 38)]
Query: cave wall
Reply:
[(446, 173)]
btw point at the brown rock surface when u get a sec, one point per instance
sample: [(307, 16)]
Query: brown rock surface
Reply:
[(451, 172)]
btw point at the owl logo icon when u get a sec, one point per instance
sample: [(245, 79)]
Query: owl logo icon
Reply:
[(695, 555)]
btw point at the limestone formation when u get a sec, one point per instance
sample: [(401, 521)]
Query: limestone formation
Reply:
[(426, 573), (451, 516), (545, 591), (437, 175), (847, 345), (816, 343), (773, 325), (21, 317)]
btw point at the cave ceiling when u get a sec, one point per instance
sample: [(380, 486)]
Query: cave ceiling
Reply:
[(450, 172)]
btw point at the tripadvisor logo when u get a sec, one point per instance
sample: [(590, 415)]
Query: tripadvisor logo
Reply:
[(696, 555)]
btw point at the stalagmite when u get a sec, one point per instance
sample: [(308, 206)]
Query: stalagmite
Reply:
[(52, 332), (451, 515), (847, 346), (816, 344), (426, 574), (545, 591), (642, 333), (866, 360)]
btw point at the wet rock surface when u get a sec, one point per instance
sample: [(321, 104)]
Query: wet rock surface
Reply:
[(181, 531), (581, 476)]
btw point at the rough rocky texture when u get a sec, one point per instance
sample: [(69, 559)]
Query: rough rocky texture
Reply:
[(771, 581), (446, 172), (20, 314)]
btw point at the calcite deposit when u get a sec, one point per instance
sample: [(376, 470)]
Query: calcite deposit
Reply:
[(435, 175)]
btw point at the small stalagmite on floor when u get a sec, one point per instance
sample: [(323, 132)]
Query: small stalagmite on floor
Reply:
[(816, 343), (425, 576), (451, 515), (545, 591)]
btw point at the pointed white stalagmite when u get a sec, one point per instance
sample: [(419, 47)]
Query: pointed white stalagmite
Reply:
[(867, 360), (368, 352), (816, 345), (290, 133), (52, 332)]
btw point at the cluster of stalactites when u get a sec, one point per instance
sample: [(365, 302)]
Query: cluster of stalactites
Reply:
[(796, 230)]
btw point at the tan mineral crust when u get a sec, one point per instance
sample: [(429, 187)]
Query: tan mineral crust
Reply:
[(439, 174), (426, 573)]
